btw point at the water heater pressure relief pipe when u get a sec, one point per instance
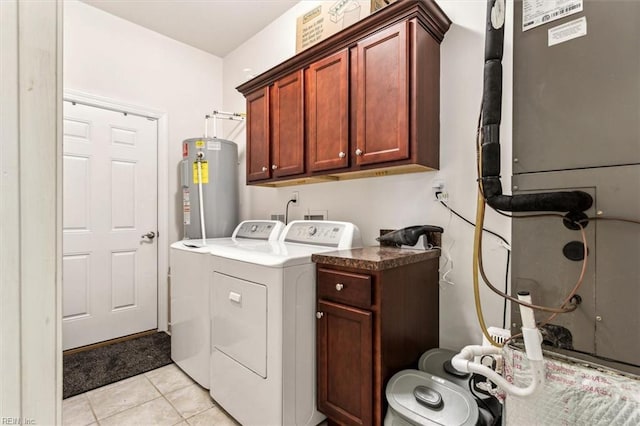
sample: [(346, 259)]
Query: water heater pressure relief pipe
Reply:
[(200, 156), (533, 347)]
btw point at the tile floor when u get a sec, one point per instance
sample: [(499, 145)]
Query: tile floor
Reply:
[(165, 396)]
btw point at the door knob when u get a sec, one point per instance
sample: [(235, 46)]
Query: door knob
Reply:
[(342, 154), (339, 286), (150, 235), (358, 151), (319, 315), (273, 166), (264, 169)]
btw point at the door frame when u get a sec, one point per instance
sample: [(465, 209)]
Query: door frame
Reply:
[(97, 101)]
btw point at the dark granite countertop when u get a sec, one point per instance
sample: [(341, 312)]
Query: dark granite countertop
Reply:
[(375, 258)]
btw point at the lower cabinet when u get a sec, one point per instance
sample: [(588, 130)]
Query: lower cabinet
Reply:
[(344, 363), (370, 325)]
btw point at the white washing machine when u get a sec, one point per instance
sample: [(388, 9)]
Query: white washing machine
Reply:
[(263, 324), (190, 263)]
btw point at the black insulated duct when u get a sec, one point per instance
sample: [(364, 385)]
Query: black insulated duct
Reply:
[(565, 201)]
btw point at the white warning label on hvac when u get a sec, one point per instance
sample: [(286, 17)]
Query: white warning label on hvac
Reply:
[(569, 31), (539, 12)]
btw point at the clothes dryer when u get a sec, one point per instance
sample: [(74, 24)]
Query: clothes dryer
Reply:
[(263, 324)]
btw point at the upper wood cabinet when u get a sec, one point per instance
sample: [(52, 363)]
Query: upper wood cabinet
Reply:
[(382, 100), (364, 102), (287, 146), (275, 129), (327, 113), (258, 133)]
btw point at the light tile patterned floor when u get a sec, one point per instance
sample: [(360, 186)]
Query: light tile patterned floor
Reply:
[(165, 396)]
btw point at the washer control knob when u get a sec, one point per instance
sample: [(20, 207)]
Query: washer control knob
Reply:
[(312, 230), (254, 228), (339, 286)]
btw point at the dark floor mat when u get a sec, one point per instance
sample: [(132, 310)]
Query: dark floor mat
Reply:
[(97, 367)]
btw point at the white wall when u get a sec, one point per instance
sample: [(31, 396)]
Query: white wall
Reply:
[(108, 56), (398, 201)]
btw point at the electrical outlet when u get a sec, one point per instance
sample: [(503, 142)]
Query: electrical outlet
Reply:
[(295, 197), (437, 185), (438, 189)]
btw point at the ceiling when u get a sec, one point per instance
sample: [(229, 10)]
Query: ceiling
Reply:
[(215, 26)]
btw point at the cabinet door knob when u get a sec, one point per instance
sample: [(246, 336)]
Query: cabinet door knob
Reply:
[(358, 151), (264, 169), (319, 315), (273, 167), (339, 286), (342, 154)]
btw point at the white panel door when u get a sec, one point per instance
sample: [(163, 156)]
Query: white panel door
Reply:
[(110, 193)]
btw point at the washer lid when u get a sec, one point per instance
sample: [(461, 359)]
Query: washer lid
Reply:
[(421, 398), (275, 255), (196, 245)]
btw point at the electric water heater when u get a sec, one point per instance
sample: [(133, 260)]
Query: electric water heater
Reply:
[(209, 175)]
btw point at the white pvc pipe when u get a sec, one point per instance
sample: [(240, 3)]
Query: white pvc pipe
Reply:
[(530, 333), (201, 202), (220, 115), (528, 320), (206, 125), (463, 362), (232, 115), (533, 348)]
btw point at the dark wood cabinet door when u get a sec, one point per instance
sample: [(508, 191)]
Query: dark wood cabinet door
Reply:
[(258, 135), (344, 364), (288, 125), (327, 119), (383, 96)]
